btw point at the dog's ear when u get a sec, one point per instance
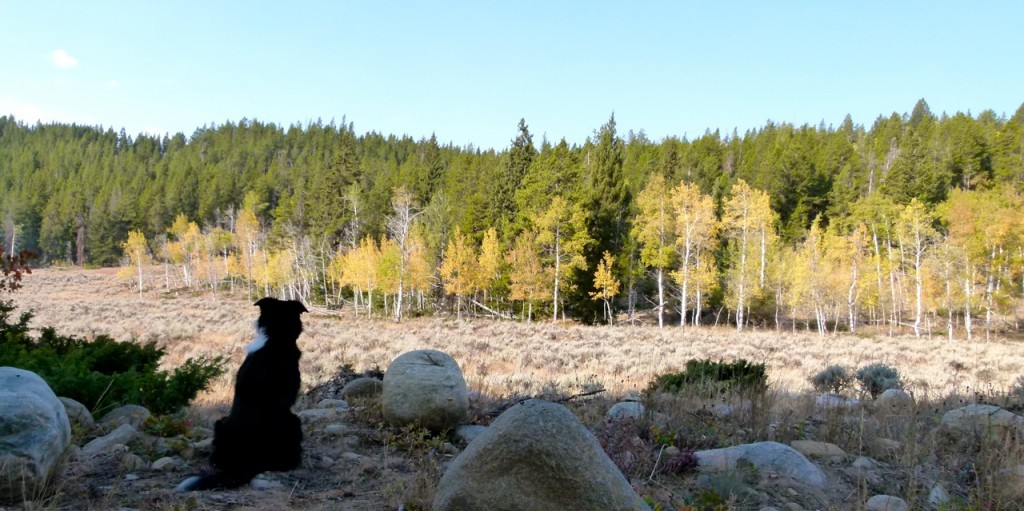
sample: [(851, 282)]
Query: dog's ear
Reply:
[(297, 307), (263, 302)]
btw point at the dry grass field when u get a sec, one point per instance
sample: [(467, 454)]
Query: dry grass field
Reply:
[(497, 356), (501, 359)]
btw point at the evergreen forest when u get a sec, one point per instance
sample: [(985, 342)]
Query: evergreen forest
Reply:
[(912, 225)]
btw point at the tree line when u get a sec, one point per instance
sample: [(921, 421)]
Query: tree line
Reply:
[(912, 224)]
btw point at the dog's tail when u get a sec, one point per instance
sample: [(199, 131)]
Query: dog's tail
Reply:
[(218, 480)]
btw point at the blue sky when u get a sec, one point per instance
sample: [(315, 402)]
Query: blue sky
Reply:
[(468, 71)]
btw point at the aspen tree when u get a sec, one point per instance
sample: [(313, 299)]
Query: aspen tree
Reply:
[(655, 230)]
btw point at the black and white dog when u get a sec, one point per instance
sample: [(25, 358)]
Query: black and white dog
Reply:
[(261, 433)]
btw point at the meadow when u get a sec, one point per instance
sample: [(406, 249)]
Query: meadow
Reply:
[(504, 359), (500, 356)]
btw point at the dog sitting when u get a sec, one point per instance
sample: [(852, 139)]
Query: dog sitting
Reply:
[(260, 433)]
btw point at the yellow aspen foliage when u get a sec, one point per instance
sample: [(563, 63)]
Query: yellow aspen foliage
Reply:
[(137, 251), (606, 284), (528, 278), (458, 267)]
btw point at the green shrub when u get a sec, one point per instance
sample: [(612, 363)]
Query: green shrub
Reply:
[(877, 378), (710, 378), (833, 378), (103, 373)]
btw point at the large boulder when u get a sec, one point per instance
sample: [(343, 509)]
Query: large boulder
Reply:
[(978, 418), (425, 387), (766, 457), (34, 432), (535, 457)]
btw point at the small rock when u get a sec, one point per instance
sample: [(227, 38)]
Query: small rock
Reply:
[(938, 496), (130, 477), (793, 506), (165, 464), (265, 484), (895, 398), (131, 462), (626, 410), (864, 463), (326, 461), (769, 508), (205, 444), (332, 403), (670, 451), (468, 432), (886, 445), (886, 503), (335, 429), (815, 449), (362, 387), (352, 456), (319, 414), (123, 434), (78, 414), (448, 448), (835, 401), (127, 414)]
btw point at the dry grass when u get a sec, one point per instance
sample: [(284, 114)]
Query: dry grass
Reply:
[(502, 358)]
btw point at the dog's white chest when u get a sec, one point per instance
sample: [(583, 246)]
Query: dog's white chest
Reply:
[(258, 342)]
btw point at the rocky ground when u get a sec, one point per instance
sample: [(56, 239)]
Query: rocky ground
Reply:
[(840, 455)]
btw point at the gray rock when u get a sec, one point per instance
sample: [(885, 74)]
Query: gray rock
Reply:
[(626, 410), (34, 432), (938, 496), (816, 449), (322, 414), (124, 434), (1010, 483), (864, 463), (332, 403), (335, 429), (165, 464), (886, 503), (265, 484), (468, 432), (78, 414), (766, 457), (127, 414), (536, 456), (895, 398), (978, 418), (835, 401), (362, 387), (424, 387), (132, 462)]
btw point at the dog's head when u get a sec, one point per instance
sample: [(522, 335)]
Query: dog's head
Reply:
[(280, 317)]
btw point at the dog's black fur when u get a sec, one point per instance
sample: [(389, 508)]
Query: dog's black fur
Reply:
[(260, 433)]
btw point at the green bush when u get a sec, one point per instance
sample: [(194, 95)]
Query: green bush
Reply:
[(710, 378), (833, 379), (877, 378), (103, 373)]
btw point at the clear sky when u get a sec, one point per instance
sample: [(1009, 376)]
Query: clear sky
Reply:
[(468, 71)]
